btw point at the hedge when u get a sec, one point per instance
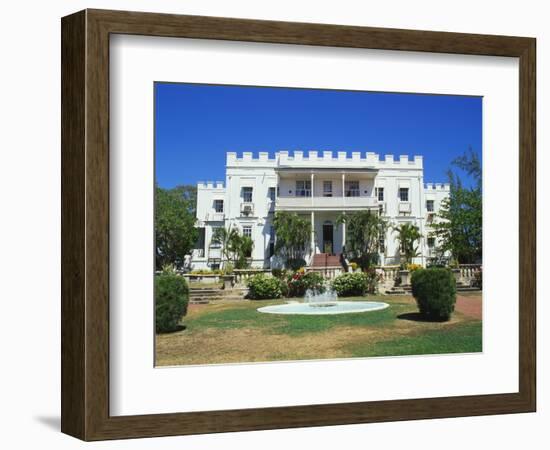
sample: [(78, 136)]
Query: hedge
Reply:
[(171, 300), (435, 292), (350, 284), (262, 287)]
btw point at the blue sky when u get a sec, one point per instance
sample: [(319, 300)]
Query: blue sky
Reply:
[(197, 124)]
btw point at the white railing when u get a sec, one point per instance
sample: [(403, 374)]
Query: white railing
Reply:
[(242, 275), (468, 272), (404, 207), (328, 272), (215, 217), (388, 274), (326, 202), (214, 253)]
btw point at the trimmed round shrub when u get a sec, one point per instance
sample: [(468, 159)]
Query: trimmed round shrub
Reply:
[(435, 292), (261, 287), (171, 300), (350, 284), (300, 282)]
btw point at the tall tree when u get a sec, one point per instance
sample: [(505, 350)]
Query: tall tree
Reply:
[(363, 231), (408, 235), (292, 237), (188, 193), (460, 219), (175, 232)]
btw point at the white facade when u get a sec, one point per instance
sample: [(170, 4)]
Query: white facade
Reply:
[(320, 186)]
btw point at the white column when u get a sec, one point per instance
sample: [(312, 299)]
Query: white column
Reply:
[(343, 232), (343, 188), (312, 233), (312, 187)]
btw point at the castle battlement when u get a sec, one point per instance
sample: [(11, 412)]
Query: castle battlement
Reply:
[(437, 187), (210, 185), (314, 158)]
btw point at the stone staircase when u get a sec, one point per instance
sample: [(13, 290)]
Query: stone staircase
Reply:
[(202, 296), (325, 260)]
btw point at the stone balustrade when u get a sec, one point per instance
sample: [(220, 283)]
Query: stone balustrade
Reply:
[(242, 275), (388, 274), (468, 272), (328, 272)]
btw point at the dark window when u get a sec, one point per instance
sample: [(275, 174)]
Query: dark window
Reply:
[(352, 188), (430, 205), (271, 194), (247, 194), (380, 194), (218, 206), (431, 242), (201, 240), (404, 194), (327, 188), (303, 188)]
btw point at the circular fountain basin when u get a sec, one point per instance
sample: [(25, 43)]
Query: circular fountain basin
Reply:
[(323, 308)]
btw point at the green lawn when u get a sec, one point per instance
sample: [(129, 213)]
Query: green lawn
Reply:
[(237, 332)]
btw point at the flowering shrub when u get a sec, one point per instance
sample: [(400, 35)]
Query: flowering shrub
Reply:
[(300, 282), (353, 266), (412, 267)]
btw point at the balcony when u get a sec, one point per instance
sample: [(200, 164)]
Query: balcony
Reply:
[(325, 203), (215, 217), (405, 207)]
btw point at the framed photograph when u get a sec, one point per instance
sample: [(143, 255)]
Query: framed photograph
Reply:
[(273, 225)]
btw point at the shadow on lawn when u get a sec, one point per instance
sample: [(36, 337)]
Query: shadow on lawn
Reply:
[(417, 317)]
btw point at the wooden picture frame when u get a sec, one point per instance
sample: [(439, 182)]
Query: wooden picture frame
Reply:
[(85, 224)]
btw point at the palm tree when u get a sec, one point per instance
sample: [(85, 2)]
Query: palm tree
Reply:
[(292, 238), (235, 247), (407, 235), (363, 231)]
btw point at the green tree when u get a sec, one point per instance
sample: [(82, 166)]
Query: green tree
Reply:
[(460, 219), (408, 235), (175, 232), (363, 231), (292, 238), (188, 193)]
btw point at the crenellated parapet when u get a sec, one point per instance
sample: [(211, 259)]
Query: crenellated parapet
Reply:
[(437, 187), (211, 185), (326, 158)]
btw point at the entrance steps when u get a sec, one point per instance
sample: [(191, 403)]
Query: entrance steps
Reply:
[(202, 296), (325, 260)]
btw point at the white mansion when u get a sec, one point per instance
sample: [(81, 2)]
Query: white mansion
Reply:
[(320, 186)]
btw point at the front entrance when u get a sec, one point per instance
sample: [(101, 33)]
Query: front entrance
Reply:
[(328, 239)]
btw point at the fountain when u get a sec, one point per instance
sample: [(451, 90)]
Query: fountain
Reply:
[(315, 299), (321, 303)]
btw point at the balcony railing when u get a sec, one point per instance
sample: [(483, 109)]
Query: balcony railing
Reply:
[(404, 207), (215, 217), (326, 202)]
